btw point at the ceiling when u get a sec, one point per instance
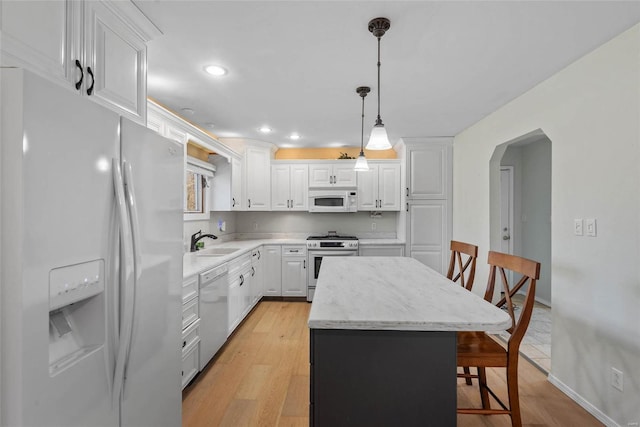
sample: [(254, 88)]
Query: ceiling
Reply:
[(295, 65)]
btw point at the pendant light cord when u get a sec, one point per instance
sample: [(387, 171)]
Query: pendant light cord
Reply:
[(362, 130), (378, 121)]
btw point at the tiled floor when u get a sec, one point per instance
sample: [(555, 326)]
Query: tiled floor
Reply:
[(536, 344)]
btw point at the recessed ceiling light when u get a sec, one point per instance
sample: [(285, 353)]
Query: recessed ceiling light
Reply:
[(294, 136), (215, 70), (265, 129), (188, 111)]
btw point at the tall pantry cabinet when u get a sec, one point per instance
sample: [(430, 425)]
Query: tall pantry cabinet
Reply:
[(428, 200)]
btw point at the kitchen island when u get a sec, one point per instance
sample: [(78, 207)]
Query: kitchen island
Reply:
[(383, 342)]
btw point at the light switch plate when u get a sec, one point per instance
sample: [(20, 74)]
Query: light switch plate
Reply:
[(591, 227), (577, 227)]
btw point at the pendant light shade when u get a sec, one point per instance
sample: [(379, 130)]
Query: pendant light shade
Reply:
[(361, 163), (378, 140)]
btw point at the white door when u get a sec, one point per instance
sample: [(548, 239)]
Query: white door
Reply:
[(344, 175), (237, 200), (388, 187), (506, 209), (428, 233), (320, 175), (280, 185), (368, 189), (299, 187), (258, 175)]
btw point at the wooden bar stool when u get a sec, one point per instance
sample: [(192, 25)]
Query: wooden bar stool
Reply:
[(480, 350), (457, 250)]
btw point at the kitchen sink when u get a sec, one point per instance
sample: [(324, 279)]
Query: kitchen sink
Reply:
[(216, 251)]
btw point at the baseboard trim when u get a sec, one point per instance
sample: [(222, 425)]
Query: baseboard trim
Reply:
[(603, 418)]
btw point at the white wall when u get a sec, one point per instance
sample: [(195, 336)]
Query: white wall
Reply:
[(590, 111)]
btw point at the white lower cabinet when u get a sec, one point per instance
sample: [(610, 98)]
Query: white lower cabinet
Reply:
[(239, 290), (257, 276), (272, 267), (294, 271), (190, 330)]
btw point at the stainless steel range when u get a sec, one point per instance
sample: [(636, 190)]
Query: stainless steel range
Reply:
[(318, 247)]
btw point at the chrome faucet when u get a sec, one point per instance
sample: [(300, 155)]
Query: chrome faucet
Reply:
[(195, 238)]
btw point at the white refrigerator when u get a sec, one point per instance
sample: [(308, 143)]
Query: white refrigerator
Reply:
[(91, 227)]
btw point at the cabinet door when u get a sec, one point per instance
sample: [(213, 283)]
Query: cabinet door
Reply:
[(272, 267), (299, 187), (235, 304), (368, 189), (245, 294), (428, 233), (237, 198), (344, 175), (257, 278), (320, 175), (388, 187), (294, 276), (258, 178), (428, 171), (280, 175), (41, 42), (117, 57)]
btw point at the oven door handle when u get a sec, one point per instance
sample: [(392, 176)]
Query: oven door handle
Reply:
[(349, 252)]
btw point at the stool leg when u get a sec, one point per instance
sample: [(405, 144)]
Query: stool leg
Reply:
[(467, 371), (514, 400), (482, 383)]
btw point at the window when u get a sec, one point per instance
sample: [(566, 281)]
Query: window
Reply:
[(198, 176)]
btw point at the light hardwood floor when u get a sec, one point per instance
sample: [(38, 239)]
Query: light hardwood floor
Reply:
[(261, 378)]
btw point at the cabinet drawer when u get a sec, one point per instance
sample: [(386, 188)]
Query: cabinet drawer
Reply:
[(190, 364), (294, 251), (241, 263), (189, 312), (189, 289), (190, 337)]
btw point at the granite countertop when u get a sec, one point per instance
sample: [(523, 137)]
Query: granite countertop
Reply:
[(396, 293), (194, 264)]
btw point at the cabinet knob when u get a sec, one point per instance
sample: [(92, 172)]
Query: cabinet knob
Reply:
[(233, 202)]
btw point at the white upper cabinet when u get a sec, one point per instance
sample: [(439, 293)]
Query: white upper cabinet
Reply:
[(258, 178), (237, 198), (97, 48), (289, 187), (379, 187), (429, 169), (334, 174)]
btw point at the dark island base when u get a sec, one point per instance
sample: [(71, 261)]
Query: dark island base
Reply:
[(382, 378)]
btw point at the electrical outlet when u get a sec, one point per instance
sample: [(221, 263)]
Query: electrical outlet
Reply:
[(590, 224), (617, 379), (373, 226), (255, 225), (577, 227)]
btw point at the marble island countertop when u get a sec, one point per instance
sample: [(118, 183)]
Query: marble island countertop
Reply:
[(396, 293)]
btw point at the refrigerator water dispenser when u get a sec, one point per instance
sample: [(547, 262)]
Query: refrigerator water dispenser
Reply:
[(76, 313)]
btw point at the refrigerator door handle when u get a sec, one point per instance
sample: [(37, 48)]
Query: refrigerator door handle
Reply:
[(130, 193), (127, 261)]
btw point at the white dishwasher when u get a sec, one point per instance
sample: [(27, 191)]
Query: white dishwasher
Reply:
[(214, 289)]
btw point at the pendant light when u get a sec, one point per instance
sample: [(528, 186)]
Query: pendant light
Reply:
[(361, 163), (378, 139)]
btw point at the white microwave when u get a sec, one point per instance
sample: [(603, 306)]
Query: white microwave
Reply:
[(333, 201)]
